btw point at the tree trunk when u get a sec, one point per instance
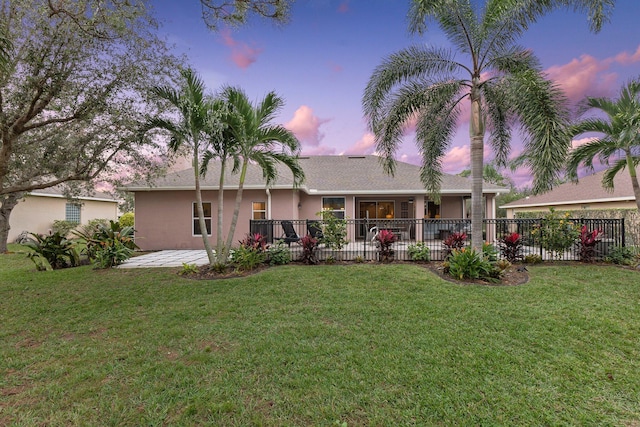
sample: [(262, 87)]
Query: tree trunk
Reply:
[(476, 131), (203, 224), (634, 179), (236, 209), (9, 201), (220, 252)]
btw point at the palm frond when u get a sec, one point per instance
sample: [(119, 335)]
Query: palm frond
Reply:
[(585, 154), (411, 64), (499, 112), (609, 175)]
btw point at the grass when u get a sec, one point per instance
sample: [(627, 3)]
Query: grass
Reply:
[(322, 345)]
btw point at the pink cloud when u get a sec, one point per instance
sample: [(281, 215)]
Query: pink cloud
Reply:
[(456, 159), (242, 54), (344, 7), (306, 126), (586, 76), (365, 145), (320, 150), (578, 142), (625, 59)]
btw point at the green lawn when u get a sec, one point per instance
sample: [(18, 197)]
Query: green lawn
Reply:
[(325, 345)]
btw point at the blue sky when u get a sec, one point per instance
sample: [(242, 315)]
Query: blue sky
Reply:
[(321, 61)]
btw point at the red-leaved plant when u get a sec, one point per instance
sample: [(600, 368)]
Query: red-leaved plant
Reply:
[(511, 247), (384, 240), (309, 247), (588, 242), (454, 241), (255, 241)]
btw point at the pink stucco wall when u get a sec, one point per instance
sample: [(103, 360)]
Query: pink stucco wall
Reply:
[(164, 219)]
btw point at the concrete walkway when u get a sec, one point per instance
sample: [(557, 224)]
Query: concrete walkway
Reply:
[(168, 258)]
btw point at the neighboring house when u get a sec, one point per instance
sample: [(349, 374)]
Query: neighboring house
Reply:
[(585, 195), (348, 186), (36, 212)]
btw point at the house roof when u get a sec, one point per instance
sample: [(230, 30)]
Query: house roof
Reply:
[(587, 190), (324, 175), (58, 192)]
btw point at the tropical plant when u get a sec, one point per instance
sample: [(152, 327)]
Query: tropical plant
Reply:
[(255, 241), (188, 269), (511, 247), (556, 232), (309, 248), (419, 251), (618, 147), (622, 255), (256, 140), (470, 264), (53, 251), (588, 241), (503, 83), (384, 241), (108, 244), (454, 241), (334, 230), (279, 254), (247, 258), (197, 124)]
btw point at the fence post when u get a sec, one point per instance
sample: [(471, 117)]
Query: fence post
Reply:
[(622, 231)]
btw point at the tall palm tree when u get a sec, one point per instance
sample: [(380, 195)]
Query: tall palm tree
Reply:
[(256, 140), (197, 120), (502, 82), (618, 147)]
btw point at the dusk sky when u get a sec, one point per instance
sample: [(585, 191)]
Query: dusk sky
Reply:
[(321, 61)]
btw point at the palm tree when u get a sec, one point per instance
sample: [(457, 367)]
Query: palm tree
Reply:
[(619, 145), (502, 81), (198, 121), (256, 140)]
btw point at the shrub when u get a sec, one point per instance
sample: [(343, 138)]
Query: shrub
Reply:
[(309, 248), (490, 252), (588, 241), (247, 258), (334, 232), (384, 241), (502, 264), (255, 241), (109, 245), (469, 264), (454, 241), (279, 254), (622, 255), (127, 219), (532, 259), (419, 252), (63, 227), (52, 252), (511, 247), (188, 269), (556, 232)]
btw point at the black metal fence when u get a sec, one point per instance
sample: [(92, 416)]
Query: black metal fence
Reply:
[(360, 242)]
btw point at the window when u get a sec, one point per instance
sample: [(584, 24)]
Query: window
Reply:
[(206, 207), (334, 205), (259, 210), (72, 212)]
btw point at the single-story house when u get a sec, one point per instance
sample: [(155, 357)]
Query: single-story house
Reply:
[(349, 186), (36, 212), (585, 195)]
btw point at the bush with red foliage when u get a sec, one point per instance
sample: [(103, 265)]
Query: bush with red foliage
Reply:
[(588, 242), (511, 247), (454, 241), (384, 240), (309, 248)]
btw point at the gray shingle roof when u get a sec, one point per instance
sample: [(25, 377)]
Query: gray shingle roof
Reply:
[(587, 190), (324, 175)]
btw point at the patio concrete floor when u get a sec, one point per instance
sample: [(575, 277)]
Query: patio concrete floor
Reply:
[(167, 258)]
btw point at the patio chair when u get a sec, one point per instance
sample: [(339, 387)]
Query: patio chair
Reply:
[(290, 235), (314, 229)]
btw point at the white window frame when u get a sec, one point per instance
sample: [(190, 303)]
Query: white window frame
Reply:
[(194, 220)]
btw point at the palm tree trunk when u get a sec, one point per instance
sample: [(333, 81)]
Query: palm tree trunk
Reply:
[(634, 178), (201, 221), (220, 252), (236, 209), (476, 130)]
